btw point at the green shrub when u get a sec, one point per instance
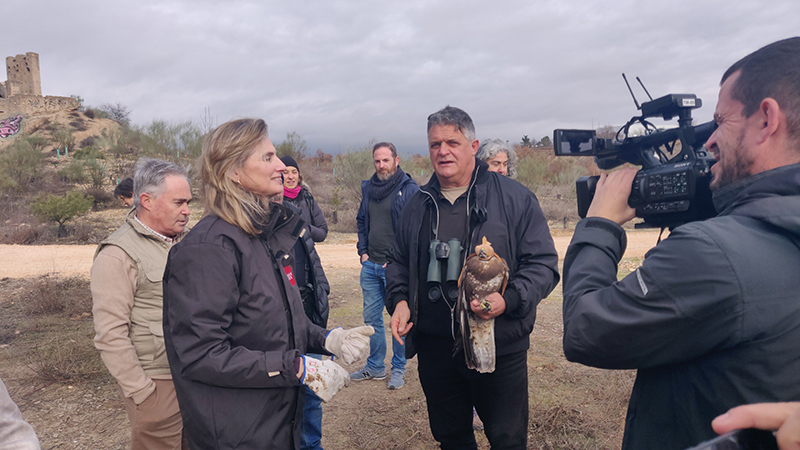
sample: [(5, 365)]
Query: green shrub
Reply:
[(63, 137), (54, 208), (74, 173), (353, 167), (294, 146), (162, 139), (96, 171), (103, 199), (536, 168), (37, 142), (89, 152), (420, 168), (20, 163)]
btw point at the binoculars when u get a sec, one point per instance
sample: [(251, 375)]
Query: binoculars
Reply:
[(444, 251)]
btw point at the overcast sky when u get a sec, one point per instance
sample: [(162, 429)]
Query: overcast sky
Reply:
[(342, 73)]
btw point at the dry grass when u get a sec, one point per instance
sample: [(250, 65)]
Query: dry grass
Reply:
[(50, 317), (571, 406), (66, 360), (50, 294)]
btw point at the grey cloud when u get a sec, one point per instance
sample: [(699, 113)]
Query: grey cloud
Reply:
[(342, 73)]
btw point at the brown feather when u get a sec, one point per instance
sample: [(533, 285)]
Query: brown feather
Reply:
[(484, 273)]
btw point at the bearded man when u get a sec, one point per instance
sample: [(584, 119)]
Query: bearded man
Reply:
[(382, 200), (711, 319)]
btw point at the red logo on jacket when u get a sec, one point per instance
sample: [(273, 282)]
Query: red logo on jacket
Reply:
[(289, 274)]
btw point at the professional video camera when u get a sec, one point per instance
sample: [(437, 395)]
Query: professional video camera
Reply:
[(672, 187)]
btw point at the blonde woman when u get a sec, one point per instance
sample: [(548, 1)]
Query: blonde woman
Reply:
[(234, 326)]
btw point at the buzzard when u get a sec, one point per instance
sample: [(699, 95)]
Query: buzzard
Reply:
[(484, 272)]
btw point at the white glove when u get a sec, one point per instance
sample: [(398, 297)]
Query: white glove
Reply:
[(325, 378), (350, 345)]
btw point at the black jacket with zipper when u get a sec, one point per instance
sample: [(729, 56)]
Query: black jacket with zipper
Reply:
[(509, 216), (711, 319), (233, 326)]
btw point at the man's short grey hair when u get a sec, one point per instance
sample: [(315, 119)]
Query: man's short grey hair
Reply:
[(450, 115), (149, 176), (491, 147)]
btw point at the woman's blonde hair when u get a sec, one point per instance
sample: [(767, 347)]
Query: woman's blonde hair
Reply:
[(225, 150)]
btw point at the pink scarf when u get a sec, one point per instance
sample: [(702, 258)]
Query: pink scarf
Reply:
[(292, 193)]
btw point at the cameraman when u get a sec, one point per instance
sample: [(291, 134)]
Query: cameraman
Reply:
[(712, 317)]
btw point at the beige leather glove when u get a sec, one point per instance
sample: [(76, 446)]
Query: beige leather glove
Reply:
[(350, 345), (325, 378)]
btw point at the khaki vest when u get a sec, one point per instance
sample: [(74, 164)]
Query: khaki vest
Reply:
[(149, 252)]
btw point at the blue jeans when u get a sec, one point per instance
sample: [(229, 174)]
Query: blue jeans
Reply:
[(373, 288), (311, 435)]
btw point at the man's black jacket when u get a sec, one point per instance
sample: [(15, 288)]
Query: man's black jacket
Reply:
[(518, 231)]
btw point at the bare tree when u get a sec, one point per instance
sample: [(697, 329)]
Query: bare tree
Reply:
[(607, 132), (117, 112)]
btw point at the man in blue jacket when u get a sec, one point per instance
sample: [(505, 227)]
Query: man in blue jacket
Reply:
[(711, 319), (382, 200)]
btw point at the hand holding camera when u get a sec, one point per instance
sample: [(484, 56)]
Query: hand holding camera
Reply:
[(611, 196)]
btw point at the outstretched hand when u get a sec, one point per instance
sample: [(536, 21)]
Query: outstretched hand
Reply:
[(400, 321)]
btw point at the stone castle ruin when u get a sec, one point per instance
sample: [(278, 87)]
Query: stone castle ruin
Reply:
[(21, 93), (23, 76)]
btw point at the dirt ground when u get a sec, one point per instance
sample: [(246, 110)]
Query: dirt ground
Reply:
[(337, 252), (90, 415)]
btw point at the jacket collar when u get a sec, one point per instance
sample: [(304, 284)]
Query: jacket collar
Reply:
[(783, 181), (478, 176), (149, 233), (284, 227)]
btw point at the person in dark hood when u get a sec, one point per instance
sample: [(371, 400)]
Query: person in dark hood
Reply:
[(711, 319), (298, 193), (314, 286)]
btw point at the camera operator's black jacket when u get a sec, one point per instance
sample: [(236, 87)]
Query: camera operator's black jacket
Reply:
[(711, 319), (518, 231)]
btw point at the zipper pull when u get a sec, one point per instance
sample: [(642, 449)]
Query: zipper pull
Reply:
[(453, 323)]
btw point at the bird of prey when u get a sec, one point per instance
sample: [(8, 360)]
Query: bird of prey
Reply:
[(484, 272)]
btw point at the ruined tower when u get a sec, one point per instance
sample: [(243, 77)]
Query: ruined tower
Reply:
[(22, 92), (23, 76)]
